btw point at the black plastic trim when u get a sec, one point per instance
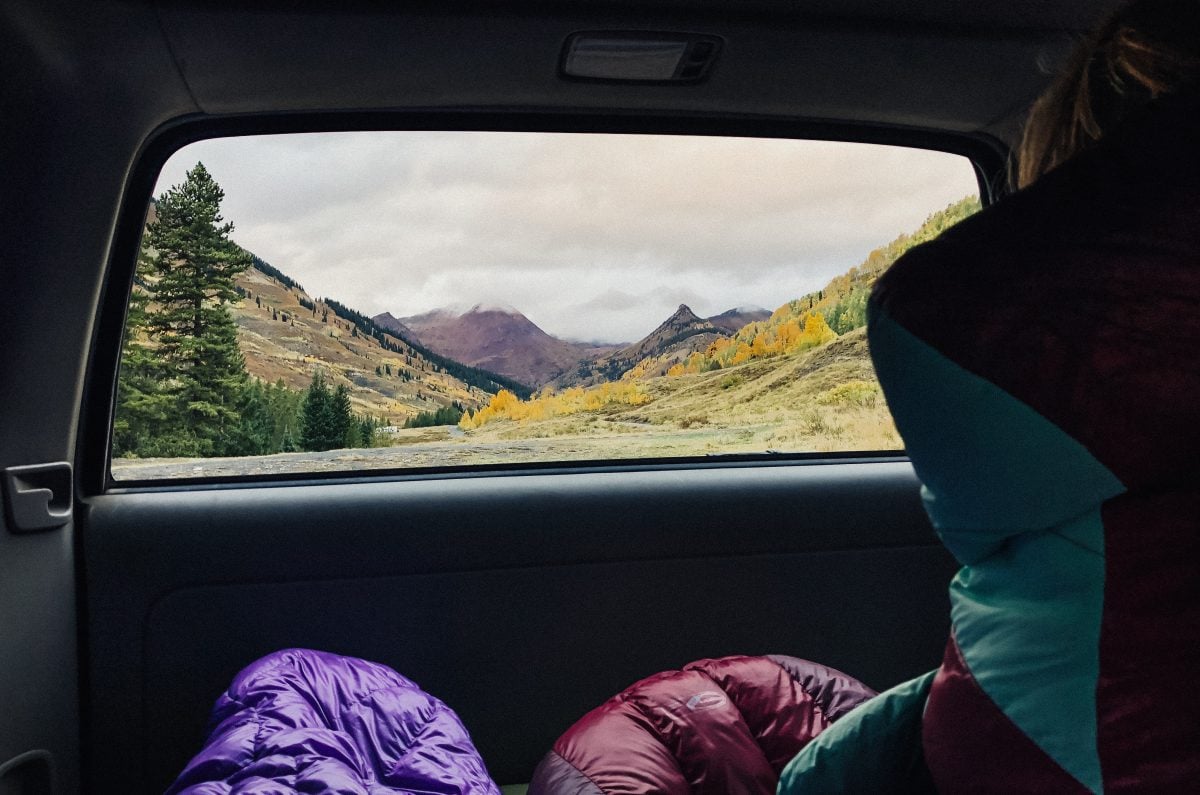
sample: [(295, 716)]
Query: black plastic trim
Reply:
[(695, 463), (31, 772), (987, 155)]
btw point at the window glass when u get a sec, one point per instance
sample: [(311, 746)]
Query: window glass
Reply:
[(332, 302)]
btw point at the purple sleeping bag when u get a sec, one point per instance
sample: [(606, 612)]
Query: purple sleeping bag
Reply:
[(307, 721)]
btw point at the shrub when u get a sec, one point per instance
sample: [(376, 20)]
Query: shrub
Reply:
[(861, 394)]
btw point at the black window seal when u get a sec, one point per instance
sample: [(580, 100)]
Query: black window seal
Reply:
[(988, 156)]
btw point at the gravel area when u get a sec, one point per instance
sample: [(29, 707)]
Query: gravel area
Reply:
[(451, 451)]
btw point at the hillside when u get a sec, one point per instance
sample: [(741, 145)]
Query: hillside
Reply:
[(769, 390), (813, 319), (821, 399), (843, 301), (502, 341), (286, 334)]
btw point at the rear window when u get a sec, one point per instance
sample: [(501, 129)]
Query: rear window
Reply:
[(418, 300)]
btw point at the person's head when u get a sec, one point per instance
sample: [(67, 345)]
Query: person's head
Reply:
[(1146, 49)]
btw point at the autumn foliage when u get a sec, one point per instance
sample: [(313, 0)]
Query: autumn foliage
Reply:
[(546, 404)]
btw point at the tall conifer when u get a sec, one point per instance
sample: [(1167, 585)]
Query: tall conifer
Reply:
[(141, 412), (345, 431), (196, 264), (318, 431)]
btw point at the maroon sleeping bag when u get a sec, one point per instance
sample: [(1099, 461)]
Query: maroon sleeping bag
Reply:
[(716, 727)]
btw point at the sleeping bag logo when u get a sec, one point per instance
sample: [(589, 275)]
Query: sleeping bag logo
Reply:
[(709, 699)]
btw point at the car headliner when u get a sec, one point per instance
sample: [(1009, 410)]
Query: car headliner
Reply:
[(937, 64)]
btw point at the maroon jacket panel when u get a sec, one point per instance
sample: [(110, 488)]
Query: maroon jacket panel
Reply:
[(1149, 732), (974, 747)]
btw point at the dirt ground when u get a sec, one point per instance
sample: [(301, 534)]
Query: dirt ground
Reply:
[(576, 441)]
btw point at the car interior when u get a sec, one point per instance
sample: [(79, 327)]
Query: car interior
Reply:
[(522, 596)]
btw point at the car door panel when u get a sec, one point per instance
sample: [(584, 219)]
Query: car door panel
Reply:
[(520, 600)]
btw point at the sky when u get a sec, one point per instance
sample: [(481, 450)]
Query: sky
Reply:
[(592, 237)]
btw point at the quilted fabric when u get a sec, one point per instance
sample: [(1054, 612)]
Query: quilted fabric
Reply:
[(715, 727), (312, 722)]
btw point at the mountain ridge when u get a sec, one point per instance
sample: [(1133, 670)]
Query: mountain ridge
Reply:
[(732, 320), (502, 340), (679, 335), (497, 339)]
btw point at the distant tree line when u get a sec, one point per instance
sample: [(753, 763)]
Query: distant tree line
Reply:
[(446, 415), (273, 272), (350, 316)]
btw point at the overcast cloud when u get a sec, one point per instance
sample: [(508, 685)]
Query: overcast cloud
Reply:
[(593, 237)]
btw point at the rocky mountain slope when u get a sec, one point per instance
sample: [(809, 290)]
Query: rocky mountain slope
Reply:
[(675, 338), (387, 321)]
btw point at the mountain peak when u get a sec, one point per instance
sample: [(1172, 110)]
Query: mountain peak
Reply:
[(684, 314), (680, 334), (392, 323), (496, 337), (679, 326)]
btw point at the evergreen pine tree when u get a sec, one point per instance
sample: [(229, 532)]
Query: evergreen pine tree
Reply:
[(288, 444), (345, 432), (141, 410), (196, 263), (286, 407), (317, 432), (366, 431), (253, 434)]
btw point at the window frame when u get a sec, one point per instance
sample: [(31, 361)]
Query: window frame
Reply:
[(987, 155)]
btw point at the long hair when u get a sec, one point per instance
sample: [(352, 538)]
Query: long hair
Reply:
[(1147, 48)]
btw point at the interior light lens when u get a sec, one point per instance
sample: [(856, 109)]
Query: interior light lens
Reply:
[(638, 57)]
